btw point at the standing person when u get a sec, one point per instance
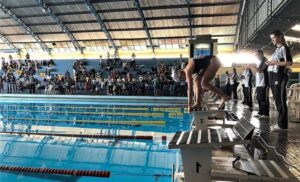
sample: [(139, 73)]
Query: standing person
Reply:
[(182, 63), (248, 87), (198, 73), (227, 82), (262, 84), (234, 83), (217, 82), (278, 78), (243, 85), (101, 62)]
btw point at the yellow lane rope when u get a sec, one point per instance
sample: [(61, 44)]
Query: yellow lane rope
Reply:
[(96, 121), (93, 113), (75, 107)]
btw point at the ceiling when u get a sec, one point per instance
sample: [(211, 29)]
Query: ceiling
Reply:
[(78, 25)]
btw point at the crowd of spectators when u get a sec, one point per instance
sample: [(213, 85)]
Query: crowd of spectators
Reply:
[(113, 76)]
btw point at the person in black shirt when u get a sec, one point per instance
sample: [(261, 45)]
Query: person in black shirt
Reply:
[(234, 83)]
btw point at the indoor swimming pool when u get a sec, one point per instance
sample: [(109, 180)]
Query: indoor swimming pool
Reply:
[(39, 135)]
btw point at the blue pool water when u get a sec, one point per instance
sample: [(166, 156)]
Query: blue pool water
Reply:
[(127, 160)]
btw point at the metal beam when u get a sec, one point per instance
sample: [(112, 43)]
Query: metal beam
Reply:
[(9, 43), (219, 44), (128, 19), (27, 28), (74, 2), (238, 27), (190, 17), (131, 19), (150, 28), (100, 21), (175, 6), (64, 28), (133, 39), (131, 29), (7, 51), (138, 5), (228, 43), (175, 27)]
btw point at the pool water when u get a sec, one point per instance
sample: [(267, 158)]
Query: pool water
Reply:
[(127, 160)]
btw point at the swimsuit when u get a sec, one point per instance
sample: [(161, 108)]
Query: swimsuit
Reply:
[(201, 64)]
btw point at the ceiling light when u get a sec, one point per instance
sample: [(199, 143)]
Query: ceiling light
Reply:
[(296, 27)]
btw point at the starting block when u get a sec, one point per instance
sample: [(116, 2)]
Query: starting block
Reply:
[(224, 168), (200, 118), (196, 147)]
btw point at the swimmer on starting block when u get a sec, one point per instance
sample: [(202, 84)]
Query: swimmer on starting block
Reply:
[(198, 73)]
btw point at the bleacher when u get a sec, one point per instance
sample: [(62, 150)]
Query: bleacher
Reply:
[(140, 72)]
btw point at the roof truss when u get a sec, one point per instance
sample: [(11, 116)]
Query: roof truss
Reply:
[(190, 17), (137, 4), (64, 28), (100, 21), (176, 6), (10, 44), (27, 28)]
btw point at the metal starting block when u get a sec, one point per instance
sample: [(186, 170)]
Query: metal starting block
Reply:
[(200, 118), (245, 170), (196, 147)]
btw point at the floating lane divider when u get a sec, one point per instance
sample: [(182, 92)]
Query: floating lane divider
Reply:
[(116, 122), (175, 115), (92, 113), (137, 137), (89, 107), (168, 108), (72, 172)]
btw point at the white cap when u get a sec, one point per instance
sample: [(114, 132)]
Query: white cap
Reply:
[(176, 74)]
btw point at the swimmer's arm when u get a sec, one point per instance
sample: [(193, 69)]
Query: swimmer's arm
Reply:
[(189, 80)]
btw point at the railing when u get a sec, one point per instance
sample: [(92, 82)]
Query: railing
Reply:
[(256, 15)]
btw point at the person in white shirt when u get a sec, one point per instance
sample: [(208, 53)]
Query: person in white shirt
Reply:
[(278, 77), (261, 82)]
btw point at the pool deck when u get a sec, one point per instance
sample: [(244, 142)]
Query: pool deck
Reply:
[(282, 146)]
